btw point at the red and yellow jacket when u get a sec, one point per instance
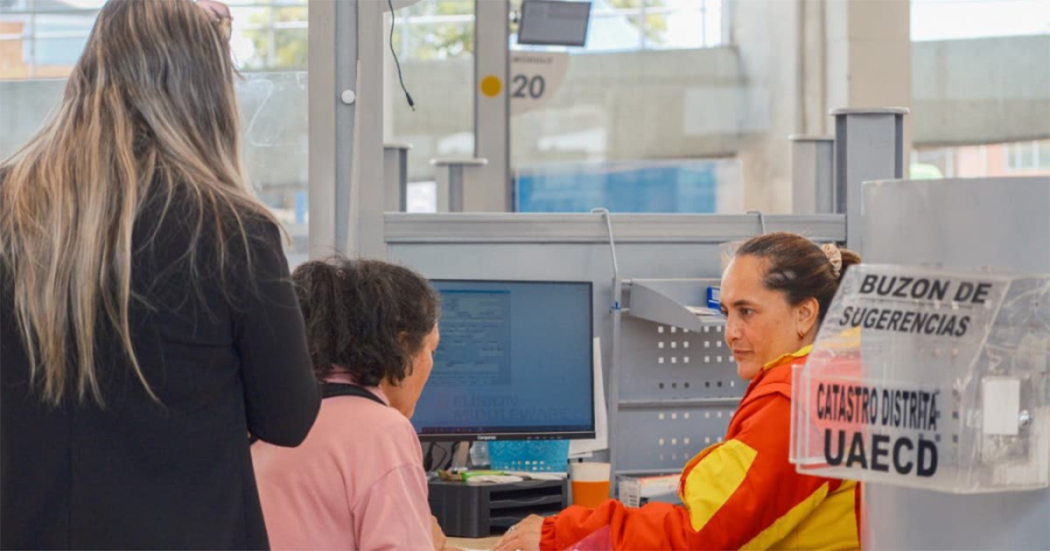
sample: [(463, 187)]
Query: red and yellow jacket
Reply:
[(739, 494)]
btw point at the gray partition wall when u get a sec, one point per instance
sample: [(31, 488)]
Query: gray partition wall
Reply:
[(1001, 223), (575, 247), (673, 377)]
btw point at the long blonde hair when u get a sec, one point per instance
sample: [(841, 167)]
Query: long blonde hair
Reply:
[(149, 108)]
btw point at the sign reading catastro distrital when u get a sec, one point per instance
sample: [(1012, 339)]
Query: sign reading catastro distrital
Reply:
[(848, 410), (916, 379)]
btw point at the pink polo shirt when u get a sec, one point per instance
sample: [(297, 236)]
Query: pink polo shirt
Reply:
[(356, 482)]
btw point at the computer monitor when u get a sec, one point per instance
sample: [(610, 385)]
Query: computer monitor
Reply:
[(515, 362), (554, 23)]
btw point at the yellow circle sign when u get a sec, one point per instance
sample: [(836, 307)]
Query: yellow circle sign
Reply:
[(491, 86)]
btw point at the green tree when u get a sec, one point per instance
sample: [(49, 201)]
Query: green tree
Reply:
[(429, 40), (455, 39), (289, 45), (654, 25), (436, 40)]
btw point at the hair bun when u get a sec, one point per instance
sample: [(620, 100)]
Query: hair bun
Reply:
[(834, 256)]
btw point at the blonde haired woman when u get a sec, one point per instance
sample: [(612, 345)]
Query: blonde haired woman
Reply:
[(146, 319)]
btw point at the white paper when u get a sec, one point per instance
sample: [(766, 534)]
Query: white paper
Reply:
[(585, 448), (1002, 405)]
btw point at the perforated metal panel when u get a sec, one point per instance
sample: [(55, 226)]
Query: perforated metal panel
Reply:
[(661, 362), (678, 391), (664, 439)]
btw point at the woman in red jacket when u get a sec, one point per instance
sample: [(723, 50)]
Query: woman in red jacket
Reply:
[(741, 493)]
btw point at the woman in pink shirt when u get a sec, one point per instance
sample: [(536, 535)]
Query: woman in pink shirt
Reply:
[(357, 481)]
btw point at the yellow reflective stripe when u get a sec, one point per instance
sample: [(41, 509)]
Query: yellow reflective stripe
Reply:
[(694, 461), (790, 356), (777, 531), (847, 339), (715, 479), (833, 525)]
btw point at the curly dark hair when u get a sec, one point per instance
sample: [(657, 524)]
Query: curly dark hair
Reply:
[(365, 316)]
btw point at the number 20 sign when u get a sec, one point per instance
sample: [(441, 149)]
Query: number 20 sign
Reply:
[(535, 77)]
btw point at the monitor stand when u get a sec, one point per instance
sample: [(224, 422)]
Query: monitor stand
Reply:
[(460, 457)]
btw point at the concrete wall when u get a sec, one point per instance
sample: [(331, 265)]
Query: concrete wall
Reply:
[(981, 91), (623, 106), (274, 122), (648, 105), (727, 101), (768, 37)]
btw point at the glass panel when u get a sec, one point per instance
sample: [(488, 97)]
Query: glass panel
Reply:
[(976, 79), (435, 29), (42, 40), (270, 38), (624, 25), (684, 24), (39, 47), (12, 61), (713, 23), (25, 105), (422, 197), (275, 141), (609, 32), (978, 161), (627, 19), (435, 44), (956, 19), (611, 106), (686, 186), (1012, 156), (1027, 155), (931, 164)]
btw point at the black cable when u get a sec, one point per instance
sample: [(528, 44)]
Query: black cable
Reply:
[(428, 459), (429, 464), (452, 456), (444, 456), (393, 21)]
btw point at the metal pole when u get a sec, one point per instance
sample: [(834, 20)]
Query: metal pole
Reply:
[(488, 188), (32, 38), (441, 190), (869, 145), (395, 172), (453, 190), (271, 38), (812, 174), (703, 24), (332, 88), (366, 217)]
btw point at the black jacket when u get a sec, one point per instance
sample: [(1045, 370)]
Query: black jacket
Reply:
[(224, 360)]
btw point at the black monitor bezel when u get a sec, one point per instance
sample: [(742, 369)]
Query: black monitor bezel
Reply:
[(586, 27), (523, 435)]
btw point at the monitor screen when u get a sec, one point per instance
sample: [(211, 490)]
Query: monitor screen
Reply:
[(554, 23), (514, 362)]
